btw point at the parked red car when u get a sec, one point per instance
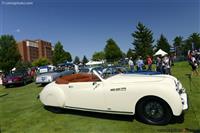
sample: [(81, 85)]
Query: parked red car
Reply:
[(17, 78)]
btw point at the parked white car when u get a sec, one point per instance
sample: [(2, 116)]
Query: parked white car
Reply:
[(153, 98), (49, 77)]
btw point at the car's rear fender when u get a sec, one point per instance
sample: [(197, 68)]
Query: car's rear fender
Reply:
[(52, 95)]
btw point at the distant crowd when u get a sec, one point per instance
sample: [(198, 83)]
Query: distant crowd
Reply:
[(163, 64)]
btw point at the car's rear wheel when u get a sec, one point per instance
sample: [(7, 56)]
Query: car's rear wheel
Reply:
[(153, 110), (24, 82)]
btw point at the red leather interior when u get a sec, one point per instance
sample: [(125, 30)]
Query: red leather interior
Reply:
[(80, 77)]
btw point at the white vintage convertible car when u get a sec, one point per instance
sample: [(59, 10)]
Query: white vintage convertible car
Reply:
[(153, 98)]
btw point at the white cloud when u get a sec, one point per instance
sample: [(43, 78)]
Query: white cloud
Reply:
[(18, 30)]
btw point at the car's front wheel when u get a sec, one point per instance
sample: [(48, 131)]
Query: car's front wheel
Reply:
[(7, 86), (153, 110)]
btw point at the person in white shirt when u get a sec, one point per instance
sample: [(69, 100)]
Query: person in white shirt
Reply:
[(131, 64), (194, 65), (76, 68)]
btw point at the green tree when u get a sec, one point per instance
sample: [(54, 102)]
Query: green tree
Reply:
[(9, 54), (195, 40), (98, 56), (178, 45), (60, 55), (23, 65), (163, 44), (76, 60), (85, 60), (41, 62), (112, 51), (129, 53), (143, 40), (68, 56)]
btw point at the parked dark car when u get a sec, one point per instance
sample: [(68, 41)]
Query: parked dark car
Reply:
[(17, 78)]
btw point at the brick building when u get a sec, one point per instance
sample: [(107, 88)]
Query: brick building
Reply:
[(31, 50)]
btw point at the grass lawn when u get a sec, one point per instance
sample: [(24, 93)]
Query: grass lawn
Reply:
[(21, 112)]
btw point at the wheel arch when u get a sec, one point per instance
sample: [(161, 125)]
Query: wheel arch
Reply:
[(150, 97)]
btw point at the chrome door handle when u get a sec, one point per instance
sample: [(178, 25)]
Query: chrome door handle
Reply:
[(96, 86), (70, 86)]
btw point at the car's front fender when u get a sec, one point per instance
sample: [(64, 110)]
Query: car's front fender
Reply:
[(166, 91)]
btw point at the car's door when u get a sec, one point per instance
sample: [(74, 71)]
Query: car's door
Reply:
[(86, 95), (117, 98)]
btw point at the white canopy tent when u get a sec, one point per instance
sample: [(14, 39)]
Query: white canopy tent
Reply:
[(90, 63), (160, 52)]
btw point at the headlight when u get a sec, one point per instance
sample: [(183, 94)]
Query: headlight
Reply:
[(177, 85), (49, 79)]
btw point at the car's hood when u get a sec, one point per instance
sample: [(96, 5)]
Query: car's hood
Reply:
[(127, 78)]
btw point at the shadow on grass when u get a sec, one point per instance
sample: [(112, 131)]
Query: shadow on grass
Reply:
[(4, 94), (16, 86), (118, 117), (129, 118), (174, 120), (177, 119)]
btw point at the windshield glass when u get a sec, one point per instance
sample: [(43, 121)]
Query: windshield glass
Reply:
[(84, 70), (11, 74), (113, 70)]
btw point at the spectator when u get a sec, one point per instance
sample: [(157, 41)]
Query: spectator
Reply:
[(76, 68), (166, 65), (193, 63), (172, 58), (158, 64), (149, 63), (139, 64), (197, 57), (131, 64), (1, 76), (189, 55)]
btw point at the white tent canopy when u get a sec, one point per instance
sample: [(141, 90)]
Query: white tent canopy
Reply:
[(160, 52), (94, 63)]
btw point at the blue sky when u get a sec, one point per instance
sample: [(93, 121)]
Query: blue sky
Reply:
[(84, 26)]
